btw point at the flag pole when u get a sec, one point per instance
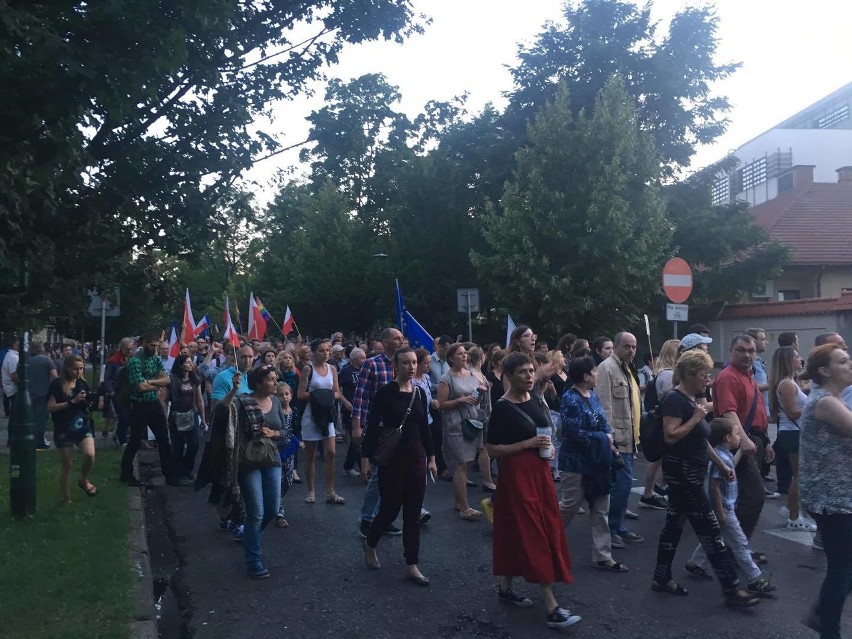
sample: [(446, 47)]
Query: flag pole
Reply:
[(648, 333)]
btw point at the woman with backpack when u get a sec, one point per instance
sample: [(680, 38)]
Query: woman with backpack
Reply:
[(655, 494), (319, 389)]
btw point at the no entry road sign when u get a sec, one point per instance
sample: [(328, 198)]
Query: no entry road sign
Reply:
[(677, 280)]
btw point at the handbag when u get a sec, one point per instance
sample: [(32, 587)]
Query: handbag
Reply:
[(389, 440), (259, 452), (184, 421), (471, 429)]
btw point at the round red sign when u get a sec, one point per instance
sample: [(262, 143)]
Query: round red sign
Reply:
[(677, 280)]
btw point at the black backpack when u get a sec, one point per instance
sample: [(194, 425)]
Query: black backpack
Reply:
[(651, 400), (651, 434)]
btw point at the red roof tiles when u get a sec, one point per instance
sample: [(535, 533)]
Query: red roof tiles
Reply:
[(815, 222), (814, 306)]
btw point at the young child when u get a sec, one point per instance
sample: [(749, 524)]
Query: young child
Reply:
[(287, 446), (723, 495)]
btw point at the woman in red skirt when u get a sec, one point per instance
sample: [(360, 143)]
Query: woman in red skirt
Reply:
[(529, 539)]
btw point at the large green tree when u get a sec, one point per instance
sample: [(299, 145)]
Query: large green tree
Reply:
[(582, 226), (126, 122)]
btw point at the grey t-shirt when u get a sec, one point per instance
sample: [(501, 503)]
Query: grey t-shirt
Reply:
[(39, 374)]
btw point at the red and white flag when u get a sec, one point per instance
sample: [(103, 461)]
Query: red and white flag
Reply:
[(203, 325), (288, 324), (256, 322), (188, 332), (230, 335), (174, 350)]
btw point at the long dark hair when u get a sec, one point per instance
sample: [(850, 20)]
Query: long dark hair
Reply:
[(782, 368), (515, 338), (177, 369)]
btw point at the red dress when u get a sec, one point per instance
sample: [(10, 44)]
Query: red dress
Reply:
[(529, 536)]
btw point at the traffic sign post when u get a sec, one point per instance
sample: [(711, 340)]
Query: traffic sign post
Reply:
[(677, 284), (99, 307), (468, 301)]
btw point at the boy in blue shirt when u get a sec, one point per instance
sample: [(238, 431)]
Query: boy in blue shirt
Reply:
[(723, 496)]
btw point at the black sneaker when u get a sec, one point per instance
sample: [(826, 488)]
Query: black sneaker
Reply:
[(662, 492), (761, 587), (425, 516), (364, 528), (392, 531), (654, 501), (510, 596), (562, 618)]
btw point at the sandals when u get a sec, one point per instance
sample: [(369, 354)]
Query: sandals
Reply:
[(334, 498), (740, 599), (759, 558), (670, 587), (611, 566), (471, 514), (280, 522), (372, 563), (697, 571), (88, 487), (310, 499)]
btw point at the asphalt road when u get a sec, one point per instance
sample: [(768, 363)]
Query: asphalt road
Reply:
[(320, 586)]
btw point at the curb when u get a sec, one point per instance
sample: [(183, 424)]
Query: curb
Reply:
[(143, 624)]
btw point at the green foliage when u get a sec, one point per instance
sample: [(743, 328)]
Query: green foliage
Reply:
[(582, 228), (126, 122)]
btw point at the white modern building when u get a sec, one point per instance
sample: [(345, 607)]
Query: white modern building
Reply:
[(819, 136)]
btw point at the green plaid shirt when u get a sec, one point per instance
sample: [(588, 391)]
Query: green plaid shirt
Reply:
[(141, 369)]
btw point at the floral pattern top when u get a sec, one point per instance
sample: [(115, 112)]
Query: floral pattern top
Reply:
[(582, 419)]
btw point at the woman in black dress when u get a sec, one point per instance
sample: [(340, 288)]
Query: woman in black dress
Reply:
[(529, 538), (402, 481), (187, 408), (68, 402)]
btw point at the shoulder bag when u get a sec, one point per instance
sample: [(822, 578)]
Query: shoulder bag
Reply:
[(389, 439)]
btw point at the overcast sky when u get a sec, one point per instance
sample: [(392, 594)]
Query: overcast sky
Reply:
[(792, 53)]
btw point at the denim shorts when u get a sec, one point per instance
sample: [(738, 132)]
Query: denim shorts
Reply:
[(69, 440), (788, 441)]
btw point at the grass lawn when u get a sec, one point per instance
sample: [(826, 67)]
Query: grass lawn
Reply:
[(66, 573)]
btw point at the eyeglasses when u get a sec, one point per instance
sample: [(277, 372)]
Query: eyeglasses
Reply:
[(745, 351)]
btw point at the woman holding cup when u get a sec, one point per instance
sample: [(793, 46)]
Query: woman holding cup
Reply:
[(529, 538)]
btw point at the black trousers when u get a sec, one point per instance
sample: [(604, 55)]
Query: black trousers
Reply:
[(402, 483), (751, 495), (144, 415), (687, 500), (438, 439)]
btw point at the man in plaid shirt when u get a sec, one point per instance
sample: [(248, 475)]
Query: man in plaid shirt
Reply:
[(375, 373), (146, 375)]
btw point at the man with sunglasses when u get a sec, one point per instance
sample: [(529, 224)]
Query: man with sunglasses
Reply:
[(737, 397)]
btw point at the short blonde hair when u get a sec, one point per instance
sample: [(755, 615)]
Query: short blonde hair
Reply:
[(557, 358), (691, 363)]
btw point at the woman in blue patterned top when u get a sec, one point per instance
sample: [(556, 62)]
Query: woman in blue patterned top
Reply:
[(586, 458), (825, 479)]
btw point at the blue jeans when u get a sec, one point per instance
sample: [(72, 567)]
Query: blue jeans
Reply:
[(620, 493), (370, 507), (261, 491), (836, 533)]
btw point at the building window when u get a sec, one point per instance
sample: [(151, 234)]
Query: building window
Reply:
[(721, 191), (838, 115), (785, 295), (753, 174)]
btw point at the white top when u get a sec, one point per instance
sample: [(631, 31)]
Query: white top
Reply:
[(10, 365), (664, 381), (784, 421)]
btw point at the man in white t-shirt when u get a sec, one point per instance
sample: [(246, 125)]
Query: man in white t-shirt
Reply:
[(9, 374)]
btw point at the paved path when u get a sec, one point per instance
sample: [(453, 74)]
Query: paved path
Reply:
[(321, 588)]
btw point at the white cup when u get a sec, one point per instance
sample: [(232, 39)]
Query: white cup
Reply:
[(544, 453)]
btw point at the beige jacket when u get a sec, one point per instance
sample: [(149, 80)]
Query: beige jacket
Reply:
[(613, 389)]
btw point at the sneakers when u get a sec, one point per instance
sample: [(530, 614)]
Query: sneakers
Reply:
[(801, 524), (761, 587), (631, 537), (351, 473), (654, 501), (629, 514), (364, 528), (662, 492), (425, 516), (562, 618), (488, 509), (616, 541), (226, 524), (239, 532), (771, 495), (257, 571), (511, 597), (393, 531)]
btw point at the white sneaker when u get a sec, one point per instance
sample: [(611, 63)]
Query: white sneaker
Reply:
[(784, 512), (351, 473), (801, 524)]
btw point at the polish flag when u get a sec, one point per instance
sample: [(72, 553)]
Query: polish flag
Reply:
[(203, 325), (230, 335), (256, 323), (288, 324), (188, 332), (174, 350)]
